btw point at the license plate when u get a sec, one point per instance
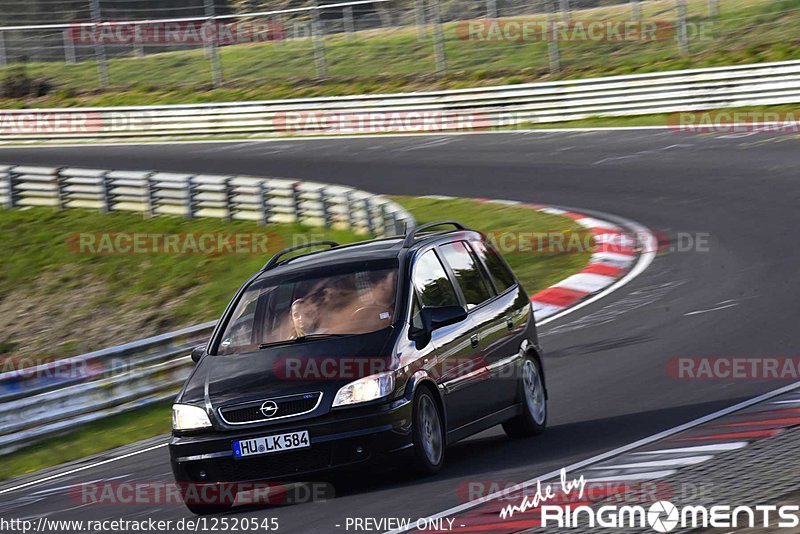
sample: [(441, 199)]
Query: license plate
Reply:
[(269, 444)]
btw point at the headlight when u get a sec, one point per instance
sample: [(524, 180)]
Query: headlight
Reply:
[(185, 417), (365, 389)]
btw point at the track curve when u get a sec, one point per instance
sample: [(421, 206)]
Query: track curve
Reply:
[(607, 371)]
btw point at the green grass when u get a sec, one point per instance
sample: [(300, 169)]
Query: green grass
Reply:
[(56, 301), (747, 31), (37, 237), (535, 271)]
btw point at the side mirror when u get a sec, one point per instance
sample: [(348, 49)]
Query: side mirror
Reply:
[(434, 317), (198, 352)]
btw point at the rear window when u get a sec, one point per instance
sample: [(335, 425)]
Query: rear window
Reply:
[(468, 273), (501, 274), (352, 299)]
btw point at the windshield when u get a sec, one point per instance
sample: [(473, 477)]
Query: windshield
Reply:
[(353, 299)]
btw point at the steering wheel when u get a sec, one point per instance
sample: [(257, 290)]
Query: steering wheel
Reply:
[(361, 313)]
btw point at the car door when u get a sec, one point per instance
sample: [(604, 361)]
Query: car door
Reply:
[(478, 294), (511, 309), (453, 348)]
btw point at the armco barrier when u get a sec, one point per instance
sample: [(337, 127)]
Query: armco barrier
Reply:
[(267, 200), (465, 109), (42, 401)]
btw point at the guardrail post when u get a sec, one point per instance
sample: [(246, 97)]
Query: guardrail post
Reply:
[(683, 36), (150, 194), (348, 203), (3, 56), (491, 9), (69, 47), (419, 19), (138, 46), (211, 44), (713, 8), (636, 10), (347, 20), (105, 192), (370, 220), (553, 51), (388, 220), (191, 193), (298, 212), (11, 180), (565, 15), (99, 47), (326, 208), (319, 41), (438, 39), (61, 194), (230, 206), (263, 204)]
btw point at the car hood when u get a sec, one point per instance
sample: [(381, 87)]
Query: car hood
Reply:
[(322, 365)]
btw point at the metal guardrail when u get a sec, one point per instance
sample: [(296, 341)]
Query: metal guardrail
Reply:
[(45, 400), (466, 109), (266, 200)]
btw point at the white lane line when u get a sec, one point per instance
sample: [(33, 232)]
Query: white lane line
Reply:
[(700, 448), (698, 312), (689, 460), (82, 468), (600, 457), (793, 401)]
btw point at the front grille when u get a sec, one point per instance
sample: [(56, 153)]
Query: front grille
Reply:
[(287, 406)]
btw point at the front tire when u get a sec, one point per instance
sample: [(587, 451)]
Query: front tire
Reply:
[(428, 433), (533, 419)]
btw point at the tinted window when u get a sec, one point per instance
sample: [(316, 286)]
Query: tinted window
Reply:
[(349, 299), (470, 278), (502, 275), (431, 282)]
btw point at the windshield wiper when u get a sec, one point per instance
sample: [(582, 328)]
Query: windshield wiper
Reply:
[(308, 337)]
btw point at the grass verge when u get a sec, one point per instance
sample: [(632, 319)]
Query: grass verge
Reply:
[(38, 237)]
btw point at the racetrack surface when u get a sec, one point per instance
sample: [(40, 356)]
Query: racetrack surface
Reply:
[(607, 363)]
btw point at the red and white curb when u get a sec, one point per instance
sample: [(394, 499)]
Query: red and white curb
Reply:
[(616, 250)]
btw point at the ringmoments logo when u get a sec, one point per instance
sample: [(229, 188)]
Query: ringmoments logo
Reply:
[(661, 516)]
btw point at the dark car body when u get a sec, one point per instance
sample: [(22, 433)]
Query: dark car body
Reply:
[(471, 366)]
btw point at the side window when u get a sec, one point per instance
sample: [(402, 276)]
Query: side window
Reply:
[(431, 282), (469, 275), (502, 275)]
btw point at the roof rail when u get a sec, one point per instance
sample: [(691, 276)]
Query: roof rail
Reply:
[(276, 258), (412, 233)]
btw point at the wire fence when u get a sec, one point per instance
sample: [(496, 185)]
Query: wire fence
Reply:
[(90, 44)]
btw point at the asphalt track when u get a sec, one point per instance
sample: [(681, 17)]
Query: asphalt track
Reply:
[(607, 363)]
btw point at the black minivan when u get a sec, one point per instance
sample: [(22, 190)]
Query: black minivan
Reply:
[(387, 348)]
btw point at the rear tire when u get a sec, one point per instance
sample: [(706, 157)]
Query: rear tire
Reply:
[(533, 419), (428, 433)]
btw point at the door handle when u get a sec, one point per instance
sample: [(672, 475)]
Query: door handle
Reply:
[(510, 323), (474, 341)]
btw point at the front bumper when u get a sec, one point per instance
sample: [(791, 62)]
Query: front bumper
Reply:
[(339, 439)]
